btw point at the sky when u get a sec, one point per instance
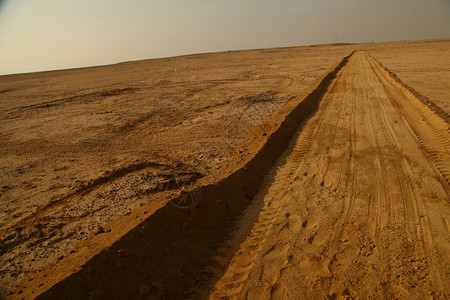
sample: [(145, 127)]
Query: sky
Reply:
[(38, 35)]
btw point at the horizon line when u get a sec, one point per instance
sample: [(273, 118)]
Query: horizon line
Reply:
[(212, 52)]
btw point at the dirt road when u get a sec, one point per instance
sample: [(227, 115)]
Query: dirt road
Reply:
[(357, 207)]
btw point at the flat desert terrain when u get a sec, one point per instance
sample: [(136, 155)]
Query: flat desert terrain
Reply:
[(286, 173)]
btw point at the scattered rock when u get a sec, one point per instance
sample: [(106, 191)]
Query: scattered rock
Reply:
[(123, 252), (99, 230)]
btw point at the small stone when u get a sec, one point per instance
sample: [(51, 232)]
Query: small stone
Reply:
[(144, 290), (99, 230), (96, 295), (123, 252)]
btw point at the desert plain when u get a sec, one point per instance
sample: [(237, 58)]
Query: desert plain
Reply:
[(285, 173)]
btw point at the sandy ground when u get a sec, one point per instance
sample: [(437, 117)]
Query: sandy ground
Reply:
[(356, 206)]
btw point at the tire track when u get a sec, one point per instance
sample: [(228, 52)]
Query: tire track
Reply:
[(350, 181), (422, 218), (379, 164), (430, 130), (246, 257)]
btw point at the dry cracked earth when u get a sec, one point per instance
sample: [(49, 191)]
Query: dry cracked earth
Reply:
[(285, 173)]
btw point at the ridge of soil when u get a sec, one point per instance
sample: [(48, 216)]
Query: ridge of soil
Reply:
[(426, 101)]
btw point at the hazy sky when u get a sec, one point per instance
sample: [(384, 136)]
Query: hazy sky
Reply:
[(54, 34)]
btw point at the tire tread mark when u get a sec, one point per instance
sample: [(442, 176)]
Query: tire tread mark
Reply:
[(424, 228)]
